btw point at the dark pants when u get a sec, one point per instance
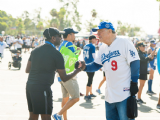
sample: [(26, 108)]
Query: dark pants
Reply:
[(90, 78)]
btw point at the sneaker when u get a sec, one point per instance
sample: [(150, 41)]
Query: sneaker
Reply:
[(92, 95), (87, 97), (153, 93), (150, 93), (57, 117), (98, 91), (81, 94), (140, 101), (158, 106)]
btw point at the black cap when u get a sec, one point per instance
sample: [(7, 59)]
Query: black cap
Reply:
[(92, 37), (69, 30), (49, 32), (141, 43)]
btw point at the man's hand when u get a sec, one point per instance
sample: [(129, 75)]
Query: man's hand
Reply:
[(133, 88), (78, 48), (80, 64)]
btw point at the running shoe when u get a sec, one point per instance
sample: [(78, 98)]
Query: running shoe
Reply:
[(98, 91), (57, 117), (140, 101), (92, 95), (158, 106), (87, 97), (151, 93)]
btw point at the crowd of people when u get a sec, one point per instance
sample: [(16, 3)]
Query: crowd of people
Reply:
[(122, 61)]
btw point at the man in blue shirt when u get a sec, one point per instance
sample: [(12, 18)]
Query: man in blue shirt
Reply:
[(70, 87), (89, 56)]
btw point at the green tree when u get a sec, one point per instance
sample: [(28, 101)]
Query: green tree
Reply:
[(126, 29), (20, 26), (68, 15), (3, 26), (90, 23), (40, 25)]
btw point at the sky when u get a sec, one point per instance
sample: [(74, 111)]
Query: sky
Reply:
[(142, 13)]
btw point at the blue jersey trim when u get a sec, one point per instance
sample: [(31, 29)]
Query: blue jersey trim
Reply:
[(135, 66), (92, 67)]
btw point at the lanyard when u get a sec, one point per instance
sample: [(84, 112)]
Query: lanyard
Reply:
[(50, 43)]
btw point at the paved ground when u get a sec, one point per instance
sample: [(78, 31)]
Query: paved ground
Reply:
[(13, 104)]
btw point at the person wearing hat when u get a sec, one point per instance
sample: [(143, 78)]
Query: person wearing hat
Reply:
[(144, 60), (89, 56), (121, 64), (70, 87), (41, 66), (152, 67)]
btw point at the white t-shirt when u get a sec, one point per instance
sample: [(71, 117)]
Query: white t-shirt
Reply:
[(17, 45), (28, 42), (116, 60), (3, 45)]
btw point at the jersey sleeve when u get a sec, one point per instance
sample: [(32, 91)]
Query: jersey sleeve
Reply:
[(98, 58), (59, 61), (93, 49), (131, 53)]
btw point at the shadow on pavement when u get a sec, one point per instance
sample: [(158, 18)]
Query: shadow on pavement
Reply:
[(103, 97), (88, 104), (59, 100), (146, 109), (153, 98)]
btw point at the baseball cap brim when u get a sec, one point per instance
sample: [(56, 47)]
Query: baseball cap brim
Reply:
[(95, 29)]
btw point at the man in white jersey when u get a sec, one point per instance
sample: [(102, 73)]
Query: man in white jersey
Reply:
[(121, 64)]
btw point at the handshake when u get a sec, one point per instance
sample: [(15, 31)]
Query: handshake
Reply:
[(80, 65)]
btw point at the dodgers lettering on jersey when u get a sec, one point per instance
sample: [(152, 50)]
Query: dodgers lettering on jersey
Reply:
[(110, 55), (88, 51), (116, 60)]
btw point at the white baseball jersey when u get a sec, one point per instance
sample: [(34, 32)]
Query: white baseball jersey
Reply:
[(116, 60)]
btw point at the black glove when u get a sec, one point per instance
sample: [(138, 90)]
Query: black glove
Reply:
[(133, 88), (76, 65)]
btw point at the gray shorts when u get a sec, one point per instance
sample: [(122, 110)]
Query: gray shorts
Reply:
[(70, 88)]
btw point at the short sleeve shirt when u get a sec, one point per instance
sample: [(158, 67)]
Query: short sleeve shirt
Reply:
[(44, 62), (67, 43), (116, 60), (88, 50)]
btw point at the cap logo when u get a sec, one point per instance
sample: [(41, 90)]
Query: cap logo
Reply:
[(107, 25)]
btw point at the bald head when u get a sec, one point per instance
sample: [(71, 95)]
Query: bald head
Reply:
[(1, 38)]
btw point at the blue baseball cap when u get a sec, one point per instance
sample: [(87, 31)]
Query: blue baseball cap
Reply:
[(103, 24), (69, 30)]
